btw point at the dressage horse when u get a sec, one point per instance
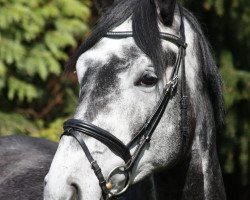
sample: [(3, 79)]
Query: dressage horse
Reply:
[(150, 104)]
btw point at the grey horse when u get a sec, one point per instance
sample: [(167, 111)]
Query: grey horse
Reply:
[(24, 161), (121, 82)]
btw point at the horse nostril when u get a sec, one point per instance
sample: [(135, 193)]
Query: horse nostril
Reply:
[(45, 181), (75, 191)]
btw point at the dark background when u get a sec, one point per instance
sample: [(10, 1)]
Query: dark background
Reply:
[(37, 37)]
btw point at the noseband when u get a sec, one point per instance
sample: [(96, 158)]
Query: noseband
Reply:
[(77, 128)]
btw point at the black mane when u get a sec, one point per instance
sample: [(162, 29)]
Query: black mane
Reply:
[(144, 26), (146, 36), (210, 76)]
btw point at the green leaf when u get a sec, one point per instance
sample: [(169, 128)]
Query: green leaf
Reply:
[(21, 90), (53, 132), (3, 69), (15, 123)]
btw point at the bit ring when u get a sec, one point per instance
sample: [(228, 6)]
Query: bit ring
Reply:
[(116, 170)]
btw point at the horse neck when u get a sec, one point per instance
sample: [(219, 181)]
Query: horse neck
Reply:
[(198, 175), (184, 181), (167, 184), (196, 178)]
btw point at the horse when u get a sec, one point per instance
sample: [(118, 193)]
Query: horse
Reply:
[(147, 75), (23, 165)]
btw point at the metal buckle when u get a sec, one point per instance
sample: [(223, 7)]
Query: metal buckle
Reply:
[(116, 170), (173, 83), (185, 45), (92, 164)]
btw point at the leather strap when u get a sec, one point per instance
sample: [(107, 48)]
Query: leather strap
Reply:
[(113, 143), (97, 170), (165, 36), (184, 97)]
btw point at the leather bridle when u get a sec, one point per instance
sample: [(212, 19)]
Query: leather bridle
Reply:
[(77, 128)]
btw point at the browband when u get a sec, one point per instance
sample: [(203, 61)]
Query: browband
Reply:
[(165, 36)]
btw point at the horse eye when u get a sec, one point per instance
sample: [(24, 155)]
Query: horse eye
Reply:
[(148, 80)]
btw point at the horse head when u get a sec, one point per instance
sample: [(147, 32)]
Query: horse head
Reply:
[(140, 82)]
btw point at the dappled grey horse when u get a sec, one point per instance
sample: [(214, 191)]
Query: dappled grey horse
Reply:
[(138, 66), (136, 58), (24, 161)]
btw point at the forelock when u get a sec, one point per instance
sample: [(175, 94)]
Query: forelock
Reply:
[(144, 25)]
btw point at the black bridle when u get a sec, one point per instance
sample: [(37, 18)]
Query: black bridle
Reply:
[(78, 128)]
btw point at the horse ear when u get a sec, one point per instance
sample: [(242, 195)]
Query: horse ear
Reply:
[(102, 5), (166, 9)]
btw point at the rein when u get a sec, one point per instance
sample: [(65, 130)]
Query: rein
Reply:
[(77, 128)]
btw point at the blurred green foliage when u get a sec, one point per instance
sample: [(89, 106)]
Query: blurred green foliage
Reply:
[(37, 37)]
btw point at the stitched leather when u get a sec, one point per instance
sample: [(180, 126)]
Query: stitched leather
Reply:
[(113, 143)]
